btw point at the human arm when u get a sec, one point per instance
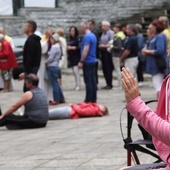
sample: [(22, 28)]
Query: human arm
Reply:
[(155, 125), (22, 101), (160, 46), (84, 55), (124, 55), (52, 54), (4, 53)]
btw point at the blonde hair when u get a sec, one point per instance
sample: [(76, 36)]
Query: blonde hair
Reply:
[(60, 32)]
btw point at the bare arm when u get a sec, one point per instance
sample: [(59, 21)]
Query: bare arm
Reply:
[(85, 52), (124, 55), (22, 101)]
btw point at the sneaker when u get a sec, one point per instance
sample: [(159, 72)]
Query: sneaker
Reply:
[(77, 88), (140, 84)]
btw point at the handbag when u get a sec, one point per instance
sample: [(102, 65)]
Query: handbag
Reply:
[(161, 63), (46, 76)]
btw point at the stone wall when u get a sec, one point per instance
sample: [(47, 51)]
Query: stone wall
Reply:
[(72, 12)]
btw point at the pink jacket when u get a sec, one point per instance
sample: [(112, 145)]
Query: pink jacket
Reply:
[(85, 110), (157, 124)]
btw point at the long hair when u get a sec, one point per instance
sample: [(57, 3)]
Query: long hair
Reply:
[(76, 32)]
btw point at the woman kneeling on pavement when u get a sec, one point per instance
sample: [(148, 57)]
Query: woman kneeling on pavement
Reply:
[(156, 123)]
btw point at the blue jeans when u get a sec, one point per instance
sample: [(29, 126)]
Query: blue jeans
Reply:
[(89, 72), (53, 75)]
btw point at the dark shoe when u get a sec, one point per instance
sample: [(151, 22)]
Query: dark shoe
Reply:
[(107, 87), (62, 101), (53, 103)]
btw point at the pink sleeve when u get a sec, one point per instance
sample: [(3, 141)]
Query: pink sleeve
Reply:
[(154, 124)]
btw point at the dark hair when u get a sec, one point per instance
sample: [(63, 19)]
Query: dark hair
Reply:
[(159, 25), (92, 21), (33, 79), (33, 25), (119, 26), (105, 112), (76, 32)]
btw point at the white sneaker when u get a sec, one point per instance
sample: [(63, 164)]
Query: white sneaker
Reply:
[(77, 88), (140, 84)]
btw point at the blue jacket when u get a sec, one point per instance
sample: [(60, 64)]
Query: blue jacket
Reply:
[(157, 43)]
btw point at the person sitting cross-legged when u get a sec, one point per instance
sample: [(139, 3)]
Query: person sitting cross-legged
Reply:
[(36, 108), (156, 123)]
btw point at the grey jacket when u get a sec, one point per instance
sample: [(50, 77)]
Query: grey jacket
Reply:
[(54, 55)]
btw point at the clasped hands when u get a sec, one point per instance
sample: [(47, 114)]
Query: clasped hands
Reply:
[(130, 85)]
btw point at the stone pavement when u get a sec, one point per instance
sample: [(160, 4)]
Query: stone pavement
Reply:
[(82, 144)]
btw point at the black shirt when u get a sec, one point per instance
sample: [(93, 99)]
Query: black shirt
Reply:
[(32, 53), (132, 46)]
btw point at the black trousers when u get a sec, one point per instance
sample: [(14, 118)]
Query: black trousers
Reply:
[(89, 73), (33, 71), (19, 122), (140, 72), (107, 65)]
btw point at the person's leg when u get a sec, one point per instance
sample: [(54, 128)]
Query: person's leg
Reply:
[(97, 79), (34, 70), (76, 73), (60, 113), (132, 64), (103, 65), (116, 61), (87, 72), (57, 93), (109, 69), (19, 122), (94, 83), (157, 82), (140, 72), (6, 75)]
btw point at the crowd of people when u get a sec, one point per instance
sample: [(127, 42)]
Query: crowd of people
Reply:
[(123, 46)]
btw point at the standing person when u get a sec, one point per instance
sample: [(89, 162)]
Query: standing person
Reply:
[(106, 57), (92, 27), (141, 41), (117, 50), (32, 51), (73, 48), (53, 69), (45, 84), (7, 62), (10, 40), (129, 58), (88, 62), (63, 61), (156, 49)]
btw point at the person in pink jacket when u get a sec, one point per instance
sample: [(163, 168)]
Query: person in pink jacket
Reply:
[(156, 123), (75, 111)]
